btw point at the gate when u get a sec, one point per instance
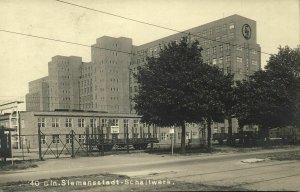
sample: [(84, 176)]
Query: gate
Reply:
[(54, 146)]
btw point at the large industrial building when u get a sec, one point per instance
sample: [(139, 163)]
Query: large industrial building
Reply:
[(76, 92), (107, 83), (230, 43)]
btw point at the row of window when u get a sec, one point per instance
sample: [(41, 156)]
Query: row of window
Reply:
[(216, 130), (213, 50), (113, 71), (86, 90), (210, 42), (89, 74), (86, 106), (87, 68), (142, 51), (252, 51), (55, 122), (133, 89), (66, 98), (90, 105), (114, 80), (64, 69), (85, 75), (86, 82), (240, 60), (142, 60), (64, 76), (217, 29), (56, 139), (81, 122), (107, 62), (66, 91), (114, 98), (219, 60), (152, 51), (63, 61), (189, 135), (114, 53), (64, 84), (164, 135)]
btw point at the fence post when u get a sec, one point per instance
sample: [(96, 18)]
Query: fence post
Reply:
[(40, 144), (153, 134), (102, 141), (99, 137), (127, 139), (56, 145), (22, 148), (72, 143), (11, 147), (114, 135), (87, 134)]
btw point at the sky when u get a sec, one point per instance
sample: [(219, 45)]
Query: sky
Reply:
[(23, 59)]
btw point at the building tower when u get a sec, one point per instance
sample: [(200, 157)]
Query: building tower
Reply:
[(38, 97), (63, 78), (111, 58)]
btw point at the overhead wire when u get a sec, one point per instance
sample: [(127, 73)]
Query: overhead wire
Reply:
[(115, 15), (130, 19), (153, 25), (61, 41), (68, 42)]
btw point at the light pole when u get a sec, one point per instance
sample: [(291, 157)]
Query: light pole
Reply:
[(172, 138)]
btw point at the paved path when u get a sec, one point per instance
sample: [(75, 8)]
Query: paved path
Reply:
[(224, 169)]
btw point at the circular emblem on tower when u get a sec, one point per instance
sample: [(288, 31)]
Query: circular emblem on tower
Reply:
[(246, 30)]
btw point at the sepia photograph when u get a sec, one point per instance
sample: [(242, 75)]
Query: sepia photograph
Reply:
[(140, 95)]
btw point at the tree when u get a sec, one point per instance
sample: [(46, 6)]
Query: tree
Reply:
[(286, 64), (216, 98), (229, 98), (270, 98), (169, 86), (178, 88)]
